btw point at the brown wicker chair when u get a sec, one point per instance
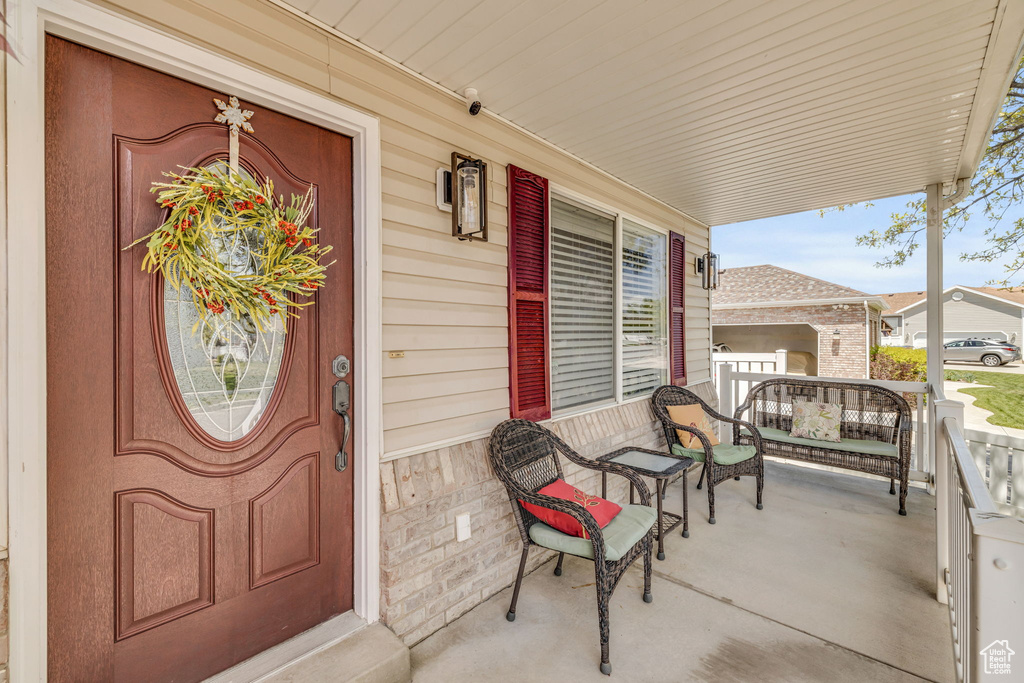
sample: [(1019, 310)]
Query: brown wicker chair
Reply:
[(876, 427), (525, 458), (731, 461)]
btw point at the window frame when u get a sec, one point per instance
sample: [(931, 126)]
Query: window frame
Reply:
[(582, 201)]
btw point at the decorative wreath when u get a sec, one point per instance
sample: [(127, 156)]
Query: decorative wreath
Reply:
[(235, 245)]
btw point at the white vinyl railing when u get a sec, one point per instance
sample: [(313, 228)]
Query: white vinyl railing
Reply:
[(733, 386), (1000, 459), (980, 551), (777, 362)]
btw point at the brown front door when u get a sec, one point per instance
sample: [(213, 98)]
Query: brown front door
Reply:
[(196, 516)]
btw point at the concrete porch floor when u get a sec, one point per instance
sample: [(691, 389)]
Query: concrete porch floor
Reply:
[(827, 583)]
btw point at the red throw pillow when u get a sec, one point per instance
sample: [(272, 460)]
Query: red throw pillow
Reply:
[(603, 511)]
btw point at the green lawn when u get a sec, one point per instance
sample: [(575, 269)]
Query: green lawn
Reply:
[(1004, 398)]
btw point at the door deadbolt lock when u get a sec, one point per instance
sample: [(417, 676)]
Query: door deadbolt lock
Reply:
[(341, 367)]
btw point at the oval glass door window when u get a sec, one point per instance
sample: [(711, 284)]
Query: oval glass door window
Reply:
[(226, 370)]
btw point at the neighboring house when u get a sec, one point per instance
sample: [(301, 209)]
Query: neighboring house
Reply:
[(759, 309), (979, 312)]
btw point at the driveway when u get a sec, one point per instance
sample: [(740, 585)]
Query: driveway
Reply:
[(1016, 367)]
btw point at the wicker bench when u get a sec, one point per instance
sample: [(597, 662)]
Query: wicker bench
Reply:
[(875, 430)]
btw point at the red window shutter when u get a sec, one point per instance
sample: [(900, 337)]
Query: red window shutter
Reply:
[(528, 225), (677, 308)]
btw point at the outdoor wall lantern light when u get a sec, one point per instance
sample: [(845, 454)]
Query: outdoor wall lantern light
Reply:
[(707, 266), (469, 198)]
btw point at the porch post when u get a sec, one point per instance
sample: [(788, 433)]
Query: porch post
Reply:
[(726, 401), (939, 456), (934, 288)]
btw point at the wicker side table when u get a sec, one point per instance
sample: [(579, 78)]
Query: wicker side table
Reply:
[(663, 468)]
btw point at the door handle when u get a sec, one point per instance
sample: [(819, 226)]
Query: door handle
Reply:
[(341, 395), (341, 458)]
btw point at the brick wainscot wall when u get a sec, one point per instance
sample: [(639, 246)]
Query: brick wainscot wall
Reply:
[(842, 355), (428, 579)]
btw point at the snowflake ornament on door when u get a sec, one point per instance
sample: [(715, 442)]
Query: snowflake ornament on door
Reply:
[(233, 115)]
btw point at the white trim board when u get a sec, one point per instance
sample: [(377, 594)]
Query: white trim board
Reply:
[(400, 453), (874, 301), (117, 35)]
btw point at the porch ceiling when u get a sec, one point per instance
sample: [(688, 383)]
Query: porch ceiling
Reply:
[(729, 110)]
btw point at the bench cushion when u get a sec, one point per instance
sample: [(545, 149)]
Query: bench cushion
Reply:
[(848, 445), (621, 534), (724, 454)]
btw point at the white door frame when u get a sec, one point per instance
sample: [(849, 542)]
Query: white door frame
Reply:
[(25, 254)]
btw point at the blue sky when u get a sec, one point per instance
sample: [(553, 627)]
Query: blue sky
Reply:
[(826, 248)]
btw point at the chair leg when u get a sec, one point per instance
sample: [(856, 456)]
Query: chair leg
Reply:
[(647, 570), (736, 478), (686, 512), (603, 598), (511, 616), (711, 501), (703, 470), (760, 488), (558, 567), (892, 487), (661, 537), (903, 496)]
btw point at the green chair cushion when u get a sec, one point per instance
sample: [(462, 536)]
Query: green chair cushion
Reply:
[(724, 454), (848, 445), (621, 534)]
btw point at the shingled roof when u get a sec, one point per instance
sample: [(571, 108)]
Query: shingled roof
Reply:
[(762, 284), (899, 300)]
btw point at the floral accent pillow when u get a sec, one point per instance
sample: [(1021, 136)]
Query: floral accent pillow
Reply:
[(817, 420)]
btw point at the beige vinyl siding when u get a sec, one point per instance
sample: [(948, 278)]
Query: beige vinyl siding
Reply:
[(974, 315), (444, 301), (698, 309)]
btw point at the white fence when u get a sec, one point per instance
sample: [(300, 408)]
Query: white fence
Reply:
[(1000, 459), (980, 550), (777, 362), (733, 386)]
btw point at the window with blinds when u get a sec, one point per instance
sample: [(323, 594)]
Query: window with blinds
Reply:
[(644, 314), (582, 301)]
